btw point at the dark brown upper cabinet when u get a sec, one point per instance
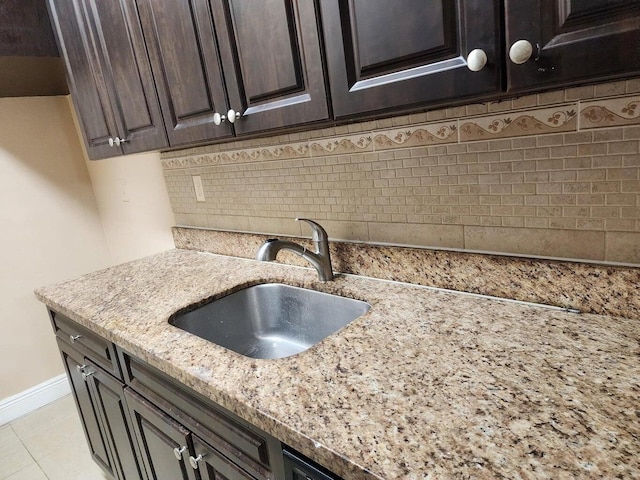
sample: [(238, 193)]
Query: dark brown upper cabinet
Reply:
[(571, 41), (272, 62), (404, 54), (109, 76), (183, 50), (234, 66)]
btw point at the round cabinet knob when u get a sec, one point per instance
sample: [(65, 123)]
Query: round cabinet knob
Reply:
[(86, 375), (232, 115), (73, 338), (194, 461), (80, 368), (520, 52), (218, 119), (476, 60), (111, 142), (179, 451)]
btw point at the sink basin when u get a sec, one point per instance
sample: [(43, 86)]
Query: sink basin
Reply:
[(270, 320)]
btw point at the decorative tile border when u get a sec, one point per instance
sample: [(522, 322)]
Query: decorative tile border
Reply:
[(275, 152), (562, 118), (341, 145), (613, 112), (416, 136)]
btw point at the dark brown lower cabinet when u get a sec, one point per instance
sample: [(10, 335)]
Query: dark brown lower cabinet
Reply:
[(105, 419), (73, 363), (171, 451), (146, 426), (165, 444)]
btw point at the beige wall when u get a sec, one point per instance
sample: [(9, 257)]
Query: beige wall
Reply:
[(133, 205), (54, 226), (555, 174), (50, 228)]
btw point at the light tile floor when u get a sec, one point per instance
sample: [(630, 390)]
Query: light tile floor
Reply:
[(47, 444)]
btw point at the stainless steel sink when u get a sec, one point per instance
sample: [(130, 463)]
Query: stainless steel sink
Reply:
[(270, 320)]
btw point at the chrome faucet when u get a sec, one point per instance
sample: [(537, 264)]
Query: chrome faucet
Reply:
[(320, 259)]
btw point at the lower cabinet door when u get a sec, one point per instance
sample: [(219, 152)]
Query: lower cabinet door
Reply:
[(74, 364), (108, 398), (165, 444), (212, 465)]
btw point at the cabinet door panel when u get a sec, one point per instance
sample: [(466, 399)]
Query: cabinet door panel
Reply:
[(392, 55), (92, 106), (215, 466), (426, 29), (88, 416), (267, 80), (158, 435), (183, 52), (577, 40), (109, 402), (270, 53), (119, 48)]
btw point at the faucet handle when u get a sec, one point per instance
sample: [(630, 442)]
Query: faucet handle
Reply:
[(319, 233)]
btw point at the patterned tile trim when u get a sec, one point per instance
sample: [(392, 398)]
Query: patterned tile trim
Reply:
[(275, 152), (613, 112), (416, 136), (562, 118), (341, 145)]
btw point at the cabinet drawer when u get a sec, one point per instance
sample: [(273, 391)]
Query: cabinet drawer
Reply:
[(99, 350), (254, 450)]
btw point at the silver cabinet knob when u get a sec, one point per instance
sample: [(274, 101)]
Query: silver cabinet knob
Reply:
[(232, 115), (194, 461), (179, 451), (116, 141), (520, 52), (80, 368), (74, 338), (218, 119), (476, 60), (86, 375)]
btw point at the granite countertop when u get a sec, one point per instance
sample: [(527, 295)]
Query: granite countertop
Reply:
[(428, 384)]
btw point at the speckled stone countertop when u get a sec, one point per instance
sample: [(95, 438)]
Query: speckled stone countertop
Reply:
[(427, 385)]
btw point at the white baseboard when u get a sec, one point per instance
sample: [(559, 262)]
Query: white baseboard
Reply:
[(33, 398)]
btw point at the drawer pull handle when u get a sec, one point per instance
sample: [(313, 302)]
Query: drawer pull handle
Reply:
[(178, 452), (194, 461), (73, 338)]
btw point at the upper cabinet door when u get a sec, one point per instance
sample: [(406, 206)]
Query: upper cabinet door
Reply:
[(109, 75), (184, 57), (90, 100), (272, 64), (384, 55), (116, 35), (571, 41)]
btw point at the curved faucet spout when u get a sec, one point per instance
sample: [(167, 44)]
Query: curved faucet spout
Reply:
[(320, 259)]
